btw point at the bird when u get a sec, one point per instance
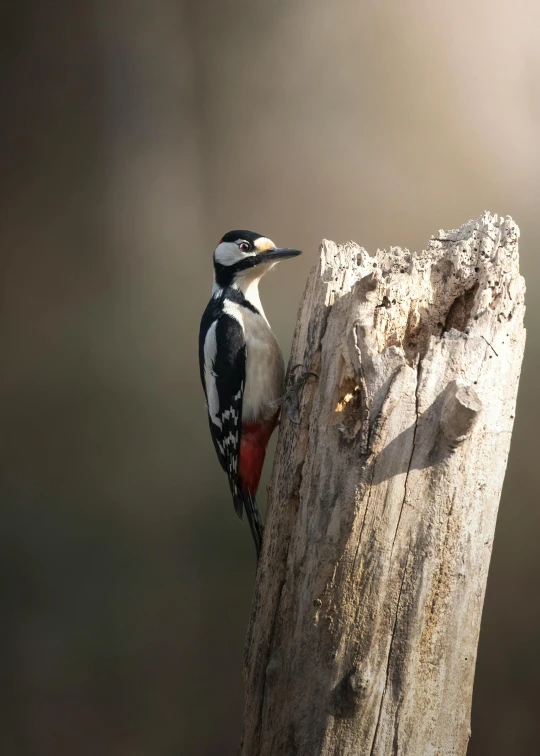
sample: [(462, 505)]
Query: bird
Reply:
[(241, 366)]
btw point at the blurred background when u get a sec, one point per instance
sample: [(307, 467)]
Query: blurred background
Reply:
[(134, 134)]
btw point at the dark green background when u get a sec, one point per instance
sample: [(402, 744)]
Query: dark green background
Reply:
[(133, 135)]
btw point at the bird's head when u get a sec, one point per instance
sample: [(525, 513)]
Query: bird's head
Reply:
[(243, 257)]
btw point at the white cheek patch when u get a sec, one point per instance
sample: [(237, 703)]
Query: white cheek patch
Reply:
[(229, 253)]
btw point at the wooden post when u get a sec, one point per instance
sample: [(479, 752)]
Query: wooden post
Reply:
[(384, 498)]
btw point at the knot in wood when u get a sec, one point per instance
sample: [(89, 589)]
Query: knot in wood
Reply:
[(459, 413), (357, 684)]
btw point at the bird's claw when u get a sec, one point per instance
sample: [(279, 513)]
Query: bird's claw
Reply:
[(291, 398)]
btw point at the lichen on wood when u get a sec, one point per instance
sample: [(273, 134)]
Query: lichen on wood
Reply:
[(384, 497)]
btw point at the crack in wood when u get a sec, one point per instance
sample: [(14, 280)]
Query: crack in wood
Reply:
[(392, 638)]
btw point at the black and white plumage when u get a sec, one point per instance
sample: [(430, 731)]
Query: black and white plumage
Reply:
[(241, 366), (223, 377)]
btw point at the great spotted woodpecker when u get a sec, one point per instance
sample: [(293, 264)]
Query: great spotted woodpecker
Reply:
[(241, 366)]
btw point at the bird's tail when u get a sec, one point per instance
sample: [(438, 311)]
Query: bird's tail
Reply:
[(247, 501)]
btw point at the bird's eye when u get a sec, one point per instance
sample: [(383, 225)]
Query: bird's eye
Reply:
[(244, 246)]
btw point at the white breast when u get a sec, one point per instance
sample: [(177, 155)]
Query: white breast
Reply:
[(265, 371)]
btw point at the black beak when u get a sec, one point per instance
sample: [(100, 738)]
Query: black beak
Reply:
[(280, 253)]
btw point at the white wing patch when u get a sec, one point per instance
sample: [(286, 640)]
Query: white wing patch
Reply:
[(210, 350)]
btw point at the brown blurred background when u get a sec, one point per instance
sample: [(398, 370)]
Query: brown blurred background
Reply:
[(134, 133)]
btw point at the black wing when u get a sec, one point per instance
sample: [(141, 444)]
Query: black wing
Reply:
[(222, 357)]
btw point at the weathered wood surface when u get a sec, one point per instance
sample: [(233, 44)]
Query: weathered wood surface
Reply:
[(384, 498)]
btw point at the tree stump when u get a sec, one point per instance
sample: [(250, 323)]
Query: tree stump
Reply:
[(384, 497)]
